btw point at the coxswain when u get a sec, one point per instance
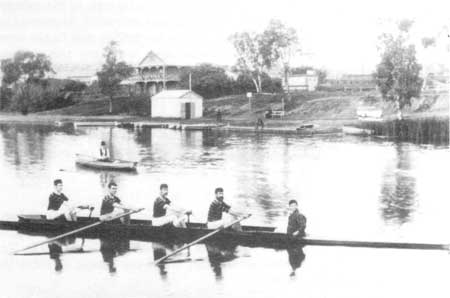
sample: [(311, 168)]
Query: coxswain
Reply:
[(112, 206), (296, 222), (104, 152), (58, 204), (217, 207), (165, 213)]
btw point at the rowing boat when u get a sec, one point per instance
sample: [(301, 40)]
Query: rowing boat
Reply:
[(115, 165), (252, 236)]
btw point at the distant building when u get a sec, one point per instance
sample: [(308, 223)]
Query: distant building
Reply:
[(88, 80), (153, 74), (302, 81), (352, 82), (436, 82), (184, 104)]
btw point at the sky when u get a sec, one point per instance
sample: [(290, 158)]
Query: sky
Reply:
[(340, 36)]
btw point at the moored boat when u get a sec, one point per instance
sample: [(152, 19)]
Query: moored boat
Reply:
[(115, 165), (253, 236)]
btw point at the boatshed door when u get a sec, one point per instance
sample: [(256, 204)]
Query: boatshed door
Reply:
[(187, 109)]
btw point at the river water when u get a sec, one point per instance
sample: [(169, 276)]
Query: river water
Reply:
[(348, 187)]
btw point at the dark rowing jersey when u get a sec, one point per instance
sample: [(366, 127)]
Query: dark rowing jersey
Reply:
[(108, 204), (56, 200), (296, 222), (159, 205), (104, 152), (215, 210)]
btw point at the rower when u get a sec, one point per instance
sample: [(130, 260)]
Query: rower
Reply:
[(296, 222), (162, 204), (58, 206), (217, 207), (112, 206), (104, 152)]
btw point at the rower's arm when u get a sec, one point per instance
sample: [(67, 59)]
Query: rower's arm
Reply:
[(175, 209), (123, 207), (301, 223)]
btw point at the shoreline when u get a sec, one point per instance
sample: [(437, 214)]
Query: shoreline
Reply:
[(305, 127)]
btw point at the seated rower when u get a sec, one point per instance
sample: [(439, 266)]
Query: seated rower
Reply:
[(217, 207), (296, 222), (104, 152), (164, 213), (112, 206), (58, 206)]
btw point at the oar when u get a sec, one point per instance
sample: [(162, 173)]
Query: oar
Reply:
[(78, 230), (201, 239)]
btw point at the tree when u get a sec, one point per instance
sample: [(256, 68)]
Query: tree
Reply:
[(33, 67), (279, 44), (259, 52), (250, 61), (207, 80), (397, 74), (112, 72)]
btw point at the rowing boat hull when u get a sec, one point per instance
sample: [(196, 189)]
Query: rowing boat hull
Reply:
[(115, 165), (252, 236)]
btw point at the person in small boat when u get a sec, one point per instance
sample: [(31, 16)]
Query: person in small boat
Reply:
[(112, 206), (296, 221), (217, 208), (165, 213), (104, 152), (58, 204)]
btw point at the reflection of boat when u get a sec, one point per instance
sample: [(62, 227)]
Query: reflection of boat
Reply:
[(115, 165), (143, 230)]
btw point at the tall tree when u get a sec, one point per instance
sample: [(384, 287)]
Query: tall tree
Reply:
[(32, 67), (397, 74), (250, 60), (279, 44), (259, 52), (113, 72)]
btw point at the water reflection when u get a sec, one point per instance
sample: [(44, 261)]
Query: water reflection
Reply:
[(218, 254), (56, 249), (296, 257), (111, 247), (398, 192), (160, 250), (26, 144)]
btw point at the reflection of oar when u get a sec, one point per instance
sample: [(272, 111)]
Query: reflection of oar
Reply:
[(77, 251), (78, 230), (201, 239), (183, 261)]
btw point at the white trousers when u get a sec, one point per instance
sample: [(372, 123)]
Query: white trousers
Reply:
[(223, 222), (173, 219), (68, 212)]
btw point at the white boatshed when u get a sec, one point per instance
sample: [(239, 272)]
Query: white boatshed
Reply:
[(184, 104)]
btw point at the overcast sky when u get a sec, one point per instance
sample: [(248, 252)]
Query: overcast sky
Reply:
[(338, 35)]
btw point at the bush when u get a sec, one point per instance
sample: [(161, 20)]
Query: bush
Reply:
[(32, 97)]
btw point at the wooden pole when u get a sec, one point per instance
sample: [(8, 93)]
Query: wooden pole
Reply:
[(77, 230), (190, 81), (201, 239)]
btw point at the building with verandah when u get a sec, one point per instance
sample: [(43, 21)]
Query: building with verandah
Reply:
[(153, 74)]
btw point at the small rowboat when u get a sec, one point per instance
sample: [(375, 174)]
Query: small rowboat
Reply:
[(113, 165), (252, 236)]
